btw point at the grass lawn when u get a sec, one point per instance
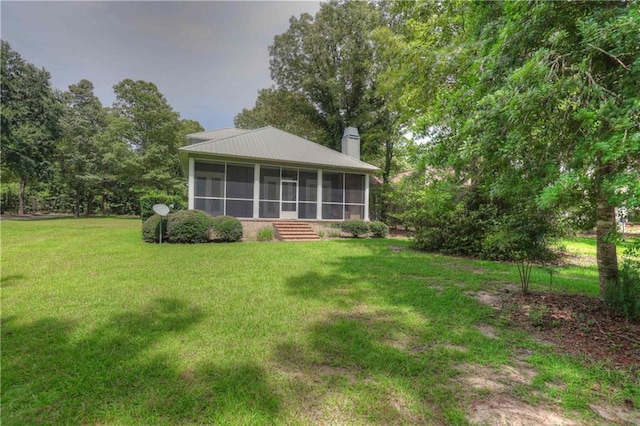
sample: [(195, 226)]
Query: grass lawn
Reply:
[(99, 327)]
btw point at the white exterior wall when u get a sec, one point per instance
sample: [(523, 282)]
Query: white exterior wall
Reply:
[(192, 184), (366, 197), (256, 191), (319, 196)]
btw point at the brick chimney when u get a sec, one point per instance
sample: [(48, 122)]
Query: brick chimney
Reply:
[(351, 142)]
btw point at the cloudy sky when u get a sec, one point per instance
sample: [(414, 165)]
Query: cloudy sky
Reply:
[(208, 58)]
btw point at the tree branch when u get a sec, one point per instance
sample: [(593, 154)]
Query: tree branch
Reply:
[(611, 56)]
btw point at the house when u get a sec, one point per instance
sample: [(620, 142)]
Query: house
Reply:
[(267, 173)]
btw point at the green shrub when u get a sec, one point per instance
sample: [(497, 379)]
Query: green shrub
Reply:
[(378, 229), (226, 229), (175, 203), (355, 227), (189, 226), (458, 232), (151, 229), (624, 296), (9, 197), (265, 234), (333, 233)]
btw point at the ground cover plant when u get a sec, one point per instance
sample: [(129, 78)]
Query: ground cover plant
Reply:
[(99, 327)]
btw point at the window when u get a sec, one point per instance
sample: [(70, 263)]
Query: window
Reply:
[(332, 187), (209, 187), (269, 183), (308, 188), (239, 181), (343, 196), (307, 210), (213, 207), (354, 189), (240, 208), (354, 196), (224, 189)]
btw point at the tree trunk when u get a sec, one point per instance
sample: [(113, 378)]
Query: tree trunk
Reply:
[(104, 204), (76, 209), (606, 254), (23, 184), (90, 206)]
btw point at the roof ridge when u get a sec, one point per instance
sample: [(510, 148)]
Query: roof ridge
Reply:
[(221, 139), (213, 130), (322, 146)]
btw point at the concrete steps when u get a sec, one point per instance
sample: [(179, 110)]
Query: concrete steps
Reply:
[(294, 231)]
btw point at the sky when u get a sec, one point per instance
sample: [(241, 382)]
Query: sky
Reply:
[(209, 59)]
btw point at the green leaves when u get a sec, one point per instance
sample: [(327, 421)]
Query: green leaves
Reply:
[(29, 116)]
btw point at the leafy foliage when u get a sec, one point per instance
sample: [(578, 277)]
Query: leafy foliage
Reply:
[(378, 229), (265, 234), (624, 295), (82, 161), (355, 227), (189, 226), (533, 103), (286, 110), (226, 229), (151, 229), (174, 202), (29, 119), (326, 70), (66, 152)]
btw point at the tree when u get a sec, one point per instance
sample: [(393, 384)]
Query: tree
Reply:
[(81, 163), (145, 121), (288, 111), (188, 127), (327, 67), (30, 111), (536, 104)]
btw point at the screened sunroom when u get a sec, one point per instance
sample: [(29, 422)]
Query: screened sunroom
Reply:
[(271, 174)]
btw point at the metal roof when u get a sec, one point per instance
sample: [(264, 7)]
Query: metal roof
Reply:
[(214, 135), (269, 143)]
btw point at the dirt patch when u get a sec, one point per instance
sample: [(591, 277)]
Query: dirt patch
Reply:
[(616, 415), (487, 330), (578, 325), (500, 408), (575, 324), (496, 379), (489, 299), (503, 410), (396, 249)]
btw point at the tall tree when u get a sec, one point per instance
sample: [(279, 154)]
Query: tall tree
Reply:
[(188, 127), (536, 101), (288, 111), (328, 62), (149, 126), (80, 158), (30, 111)]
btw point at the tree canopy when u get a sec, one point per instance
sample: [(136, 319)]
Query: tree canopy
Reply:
[(326, 70), (535, 102), (78, 154), (30, 112)]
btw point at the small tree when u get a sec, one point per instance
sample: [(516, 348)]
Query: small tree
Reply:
[(522, 237)]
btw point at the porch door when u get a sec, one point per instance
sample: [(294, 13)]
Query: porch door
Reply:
[(289, 203)]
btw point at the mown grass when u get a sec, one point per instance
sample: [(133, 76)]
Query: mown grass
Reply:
[(100, 327)]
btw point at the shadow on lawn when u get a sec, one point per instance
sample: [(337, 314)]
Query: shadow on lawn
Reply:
[(11, 280), (50, 376), (370, 345)]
